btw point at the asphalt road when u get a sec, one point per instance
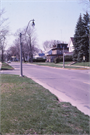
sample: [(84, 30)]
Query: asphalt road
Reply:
[(68, 85)]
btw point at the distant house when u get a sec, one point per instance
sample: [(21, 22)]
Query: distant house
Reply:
[(56, 51), (40, 56), (48, 52), (48, 55), (70, 44)]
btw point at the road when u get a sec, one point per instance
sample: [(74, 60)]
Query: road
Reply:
[(68, 85)]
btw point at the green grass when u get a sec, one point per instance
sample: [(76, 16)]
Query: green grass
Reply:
[(28, 108), (47, 64), (83, 64), (66, 63), (59, 65), (6, 66)]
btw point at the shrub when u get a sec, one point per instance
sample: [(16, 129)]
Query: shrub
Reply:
[(60, 58), (39, 60), (68, 58)]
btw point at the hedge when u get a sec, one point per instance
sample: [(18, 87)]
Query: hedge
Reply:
[(60, 59), (39, 60)]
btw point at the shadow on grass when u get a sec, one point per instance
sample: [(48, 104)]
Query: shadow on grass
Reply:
[(5, 66), (6, 69)]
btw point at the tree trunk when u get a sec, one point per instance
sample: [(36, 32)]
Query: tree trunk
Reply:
[(2, 57)]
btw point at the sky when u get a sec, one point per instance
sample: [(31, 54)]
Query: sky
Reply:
[(54, 19)]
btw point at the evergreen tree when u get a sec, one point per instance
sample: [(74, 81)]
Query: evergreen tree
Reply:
[(81, 39), (77, 39), (86, 36)]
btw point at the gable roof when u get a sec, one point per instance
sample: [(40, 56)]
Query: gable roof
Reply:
[(48, 52)]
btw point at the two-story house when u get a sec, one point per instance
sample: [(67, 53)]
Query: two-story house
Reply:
[(57, 50)]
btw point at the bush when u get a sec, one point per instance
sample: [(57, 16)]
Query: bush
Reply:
[(68, 58), (39, 60), (60, 59)]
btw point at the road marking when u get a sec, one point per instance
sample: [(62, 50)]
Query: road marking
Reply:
[(87, 82)]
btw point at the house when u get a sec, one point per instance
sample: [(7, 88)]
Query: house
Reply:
[(71, 47), (70, 44), (56, 51), (48, 55), (39, 56)]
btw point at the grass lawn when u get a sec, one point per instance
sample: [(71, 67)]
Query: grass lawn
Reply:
[(6, 66), (59, 65), (47, 64), (28, 108), (83, 64)]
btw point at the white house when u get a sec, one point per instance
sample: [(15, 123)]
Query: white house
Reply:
[(39, 55), (70, 44)]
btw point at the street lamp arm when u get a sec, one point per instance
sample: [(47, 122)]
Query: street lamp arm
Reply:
[(28, 25)]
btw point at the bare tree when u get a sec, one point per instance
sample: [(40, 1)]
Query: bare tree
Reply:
[(29, 44), (49, 44), (3, 34), (17, 48), (86, 4)]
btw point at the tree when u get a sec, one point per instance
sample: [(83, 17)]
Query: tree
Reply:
[(49, 44), (86, 4), (3, 33), (29, 44), (86, 36), (77, 39), (81, 39)]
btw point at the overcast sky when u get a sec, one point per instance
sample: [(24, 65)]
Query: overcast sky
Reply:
[(54, 19)]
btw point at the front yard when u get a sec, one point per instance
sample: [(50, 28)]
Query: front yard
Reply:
[(28, 108), (67, 65), (6, 66)]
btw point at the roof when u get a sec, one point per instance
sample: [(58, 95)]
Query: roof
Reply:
[(41, 54), (48, 52)]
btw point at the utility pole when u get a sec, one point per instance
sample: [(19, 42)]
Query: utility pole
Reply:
[(33, 24), (63, 58), (21, 74)]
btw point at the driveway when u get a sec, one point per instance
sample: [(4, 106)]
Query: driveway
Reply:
[(68, 85)]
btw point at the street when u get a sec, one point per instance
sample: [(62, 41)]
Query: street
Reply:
[(68, 85)]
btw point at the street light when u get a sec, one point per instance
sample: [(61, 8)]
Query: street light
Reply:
[(33, 24)]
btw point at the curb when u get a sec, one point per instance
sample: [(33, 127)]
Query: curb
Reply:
[(72, 67)]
